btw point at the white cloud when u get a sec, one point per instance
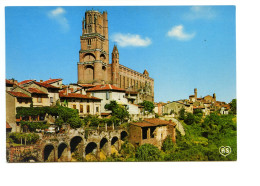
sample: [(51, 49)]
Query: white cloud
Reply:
[(58, 15), (125, 40), (177, 32), (200, 12)]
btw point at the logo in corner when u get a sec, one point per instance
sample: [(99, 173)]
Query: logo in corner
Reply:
[(225, 150)]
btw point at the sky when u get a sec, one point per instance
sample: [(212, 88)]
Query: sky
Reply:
[(182, 47)]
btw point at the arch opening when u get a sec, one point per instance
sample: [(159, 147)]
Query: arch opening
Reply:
[(48, 154), (89, 57), (91, 148), (75, 143), (115, 143), (123, 135), (63, 152)]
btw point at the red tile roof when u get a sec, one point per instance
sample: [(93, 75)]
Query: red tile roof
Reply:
[(153, 122), (25, 81), (75, 95), (18, 94), (35, 91), (51, 81), (105, 87), (9, 82), (8, 126), (46, 85)]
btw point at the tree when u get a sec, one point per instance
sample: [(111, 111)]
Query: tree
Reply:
[(168, 144), (182, 114), (148, 152), (118, 111), (148, 106), (233, 106), (189, 119)]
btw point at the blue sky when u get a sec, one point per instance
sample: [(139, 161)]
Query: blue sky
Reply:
[(182, 47)]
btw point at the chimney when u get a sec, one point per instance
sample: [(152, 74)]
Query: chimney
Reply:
[(67, 90), (41, 81)]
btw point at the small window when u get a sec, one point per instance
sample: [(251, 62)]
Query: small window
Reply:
[(51, 99), (81, 108), (107, 95), (74, 107), (88, 109), (39, 100), (97, 109)]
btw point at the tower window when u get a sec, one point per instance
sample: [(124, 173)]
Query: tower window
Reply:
[(89, 41), (89, 29), (89, 18)]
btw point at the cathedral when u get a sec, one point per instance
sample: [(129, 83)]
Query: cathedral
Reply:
[(94, 67)]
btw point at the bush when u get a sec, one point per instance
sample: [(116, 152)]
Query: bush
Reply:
[(17, 137), (148, 152), (168, 144)]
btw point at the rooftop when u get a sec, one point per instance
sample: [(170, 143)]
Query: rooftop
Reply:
[(75, 95), (52, 81), (152, 122), (18, 94), (105, 87)]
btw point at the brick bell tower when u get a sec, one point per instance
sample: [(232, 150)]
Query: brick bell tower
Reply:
[(115, 66), (94, 53)]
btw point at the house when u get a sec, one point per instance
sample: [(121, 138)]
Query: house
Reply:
[(175, 107), (85, 104), (53, 82), (153, 131), (109, 92), (14, 100)]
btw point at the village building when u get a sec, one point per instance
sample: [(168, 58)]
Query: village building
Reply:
[(53, 82), (175, 107), (108, 93), (153, 131), (85, 104), (14, 100), (94, 67)]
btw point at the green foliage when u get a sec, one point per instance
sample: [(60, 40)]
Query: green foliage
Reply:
[(156, 115), (148, 106), (203, 140), (75, 122), (66, 115), (148, 152), (233, 106), (168, 144), (127, 150), (182, 114), (118, 111), (32, 126), (189, 119), (17, 137)]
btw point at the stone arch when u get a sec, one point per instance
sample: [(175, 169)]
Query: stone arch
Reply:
[(104, 146), (75, 143), (89, 57), (115, 142), (123, 135), (89, 72), (63, 152), (49, 153), (102, 57), (91, 148)]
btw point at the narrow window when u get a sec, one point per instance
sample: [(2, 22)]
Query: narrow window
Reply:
[(39, 100), (107, 95), (81, 108), (51, 99), (88, 109), (97, 109), (74, 107)]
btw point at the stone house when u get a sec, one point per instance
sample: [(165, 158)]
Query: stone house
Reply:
[(14, 100), (53, 82), (153, 131), (175, 107)]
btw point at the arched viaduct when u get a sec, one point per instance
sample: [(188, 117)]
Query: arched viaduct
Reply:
[(60, 147)]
